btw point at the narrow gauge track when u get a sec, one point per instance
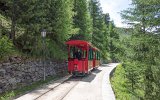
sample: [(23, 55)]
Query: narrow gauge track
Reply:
[(68, 91), (75, 81)]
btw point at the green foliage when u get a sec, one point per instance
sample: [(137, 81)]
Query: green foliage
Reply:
[(119, 84), (56, 51), (98, 24), (137, 53), (82, 20), (122, 86), (113, 42), (28, 18), (49, 49), (8, 96), (140, 49), (100, 35), (6, 47), (62, 19)]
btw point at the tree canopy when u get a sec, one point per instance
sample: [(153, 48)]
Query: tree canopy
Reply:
[(62, 19)]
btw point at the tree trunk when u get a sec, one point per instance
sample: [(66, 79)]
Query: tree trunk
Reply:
[(13, 24)]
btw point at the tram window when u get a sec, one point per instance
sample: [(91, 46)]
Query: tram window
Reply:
[(78, 54), (97, 55), (90, 54), (84, 54), (72, 49), (94, 54)]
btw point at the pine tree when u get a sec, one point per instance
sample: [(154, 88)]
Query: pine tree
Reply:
[(141, 47), (61, 20), (32, 19), (82, 20), (98, 24), (11, 10), (105, 47), (113, 40)]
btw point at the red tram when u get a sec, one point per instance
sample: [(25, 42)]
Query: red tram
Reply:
[(82, 57)]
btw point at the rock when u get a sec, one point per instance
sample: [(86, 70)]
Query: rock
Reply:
[(1, 91), (12, 81), (15, 59), (15, 74), (2, 72), (18, 80), (3, 84), (0, 65), (6, 64)]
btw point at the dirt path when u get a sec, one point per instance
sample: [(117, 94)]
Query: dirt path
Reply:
[(95, 86)]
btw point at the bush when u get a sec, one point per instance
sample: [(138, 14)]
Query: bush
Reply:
[(119, 84), (6, 47), (50, 50), (56, 51)]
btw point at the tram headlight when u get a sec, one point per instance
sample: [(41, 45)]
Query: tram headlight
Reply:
[(75, 67)]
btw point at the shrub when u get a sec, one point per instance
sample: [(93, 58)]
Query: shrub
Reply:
[(50, 50), (6, 47), (119, 84)]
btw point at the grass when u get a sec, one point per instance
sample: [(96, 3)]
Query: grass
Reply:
[(119, 84), (122, 86), (15, 93)]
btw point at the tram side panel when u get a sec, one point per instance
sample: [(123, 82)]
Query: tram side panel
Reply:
[(82, 66), (90, 59), (97, 61), (90, 65), (85, 66), (70, 66)]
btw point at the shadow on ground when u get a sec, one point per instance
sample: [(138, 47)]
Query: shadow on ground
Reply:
[(90, 77)]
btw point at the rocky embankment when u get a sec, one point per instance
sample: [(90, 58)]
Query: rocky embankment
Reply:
[(19, 73)]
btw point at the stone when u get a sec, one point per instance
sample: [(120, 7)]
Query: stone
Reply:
[(18, 80), (13, 75), (1, 91), (0, 65), (12, 81), (6, 64), (3, 84), (2, 72)]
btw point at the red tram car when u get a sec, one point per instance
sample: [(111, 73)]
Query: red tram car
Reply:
[(82, 57)]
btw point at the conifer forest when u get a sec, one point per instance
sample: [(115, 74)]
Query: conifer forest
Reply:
[(136, 47)]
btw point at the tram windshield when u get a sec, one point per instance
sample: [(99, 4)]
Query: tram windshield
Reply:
[(78, 53)]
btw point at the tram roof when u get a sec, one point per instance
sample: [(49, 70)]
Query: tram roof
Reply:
[(79, 43)]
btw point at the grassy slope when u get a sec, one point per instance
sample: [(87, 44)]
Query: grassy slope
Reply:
[(119, 84)]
